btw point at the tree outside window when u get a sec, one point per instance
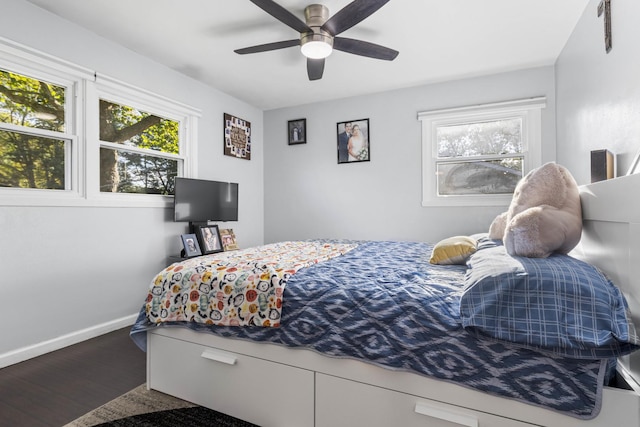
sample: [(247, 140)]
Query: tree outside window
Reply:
[(72, 137), (480, 157), (138, 152), (475, 155), (33, 145), (135, 153)]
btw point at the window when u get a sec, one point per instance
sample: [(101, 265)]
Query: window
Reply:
[(70, 137), (142, 140), (36, 138), (477, 155), (139, 152)]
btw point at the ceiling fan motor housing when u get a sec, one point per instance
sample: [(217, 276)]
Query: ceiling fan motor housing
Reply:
[(315, 16)]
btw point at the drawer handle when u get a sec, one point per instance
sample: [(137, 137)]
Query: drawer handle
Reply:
[(219, 356), (463, 420)]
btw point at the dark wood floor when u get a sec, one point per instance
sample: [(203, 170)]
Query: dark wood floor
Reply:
[(56, 388)]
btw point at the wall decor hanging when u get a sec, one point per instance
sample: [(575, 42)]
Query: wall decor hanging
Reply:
[(237, 137), (604, 8), (297, 131), (353, 141)]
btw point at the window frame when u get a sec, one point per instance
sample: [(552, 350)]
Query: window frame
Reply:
[(22, 60), (528, 110), (119, 92), (83, 87)]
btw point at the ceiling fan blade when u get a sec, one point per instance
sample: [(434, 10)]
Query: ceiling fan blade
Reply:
[(268, 46), (315, 68), (362, 48), (351, 14), (282, 15)]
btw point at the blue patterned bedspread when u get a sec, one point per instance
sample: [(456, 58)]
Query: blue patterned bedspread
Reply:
[(385, 304)]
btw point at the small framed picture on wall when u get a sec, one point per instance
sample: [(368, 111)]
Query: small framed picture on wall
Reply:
[(297, 131), (237, 137), (353, 141), (209, 238)]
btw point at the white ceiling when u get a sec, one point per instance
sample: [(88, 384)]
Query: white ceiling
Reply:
[(437, 40)]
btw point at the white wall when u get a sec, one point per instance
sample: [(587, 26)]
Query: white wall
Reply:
[(307, 194), (71, 272), (598, 94)]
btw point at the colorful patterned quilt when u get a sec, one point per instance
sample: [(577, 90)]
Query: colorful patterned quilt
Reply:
[(239, 288)]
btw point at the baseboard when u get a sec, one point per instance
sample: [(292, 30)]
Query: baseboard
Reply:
[(25, 353)]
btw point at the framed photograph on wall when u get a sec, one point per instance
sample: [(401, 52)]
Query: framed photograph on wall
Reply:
[(353, 141), (191, 246), (237, 137), (209, 238), (297, 130), (228, 239)]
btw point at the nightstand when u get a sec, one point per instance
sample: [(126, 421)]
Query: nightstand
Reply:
[(174, 258)]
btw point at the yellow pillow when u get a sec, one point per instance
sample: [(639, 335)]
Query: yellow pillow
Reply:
[(453, 250)]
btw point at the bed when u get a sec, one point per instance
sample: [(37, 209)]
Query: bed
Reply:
[(298, 369)]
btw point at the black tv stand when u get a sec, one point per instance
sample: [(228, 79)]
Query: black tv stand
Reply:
[(193, 225)]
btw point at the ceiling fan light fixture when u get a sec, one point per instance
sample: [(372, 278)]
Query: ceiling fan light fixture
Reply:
[(319, 31), (316, 46), (316, 50)]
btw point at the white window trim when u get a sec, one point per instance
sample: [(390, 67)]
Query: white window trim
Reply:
[(23, 60), (123, 93), (530, 110), (81, 130)]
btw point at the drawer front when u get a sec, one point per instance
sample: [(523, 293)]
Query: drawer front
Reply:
[(341, 402), (258, 391)]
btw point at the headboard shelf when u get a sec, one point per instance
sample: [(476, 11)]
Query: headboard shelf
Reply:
[(611, 241)]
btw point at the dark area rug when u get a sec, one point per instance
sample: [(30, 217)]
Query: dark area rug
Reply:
[(184, 417), (149, 408)]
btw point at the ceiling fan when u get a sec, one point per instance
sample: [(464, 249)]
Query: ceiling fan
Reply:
[(319, 35)]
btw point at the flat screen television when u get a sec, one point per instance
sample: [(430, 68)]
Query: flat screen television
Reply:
[(199, 200)]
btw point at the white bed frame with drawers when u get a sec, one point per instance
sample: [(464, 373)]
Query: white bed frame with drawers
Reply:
[(271, 385)]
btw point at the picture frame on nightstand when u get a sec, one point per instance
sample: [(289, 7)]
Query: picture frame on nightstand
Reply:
[(209, 238), (190, 245), (228, 239)]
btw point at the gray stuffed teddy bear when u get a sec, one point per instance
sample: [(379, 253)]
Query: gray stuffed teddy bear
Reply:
[(545, 215)]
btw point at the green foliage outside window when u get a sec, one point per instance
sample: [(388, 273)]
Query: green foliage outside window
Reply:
[(131, 171), (29, 160), (32, 157)]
